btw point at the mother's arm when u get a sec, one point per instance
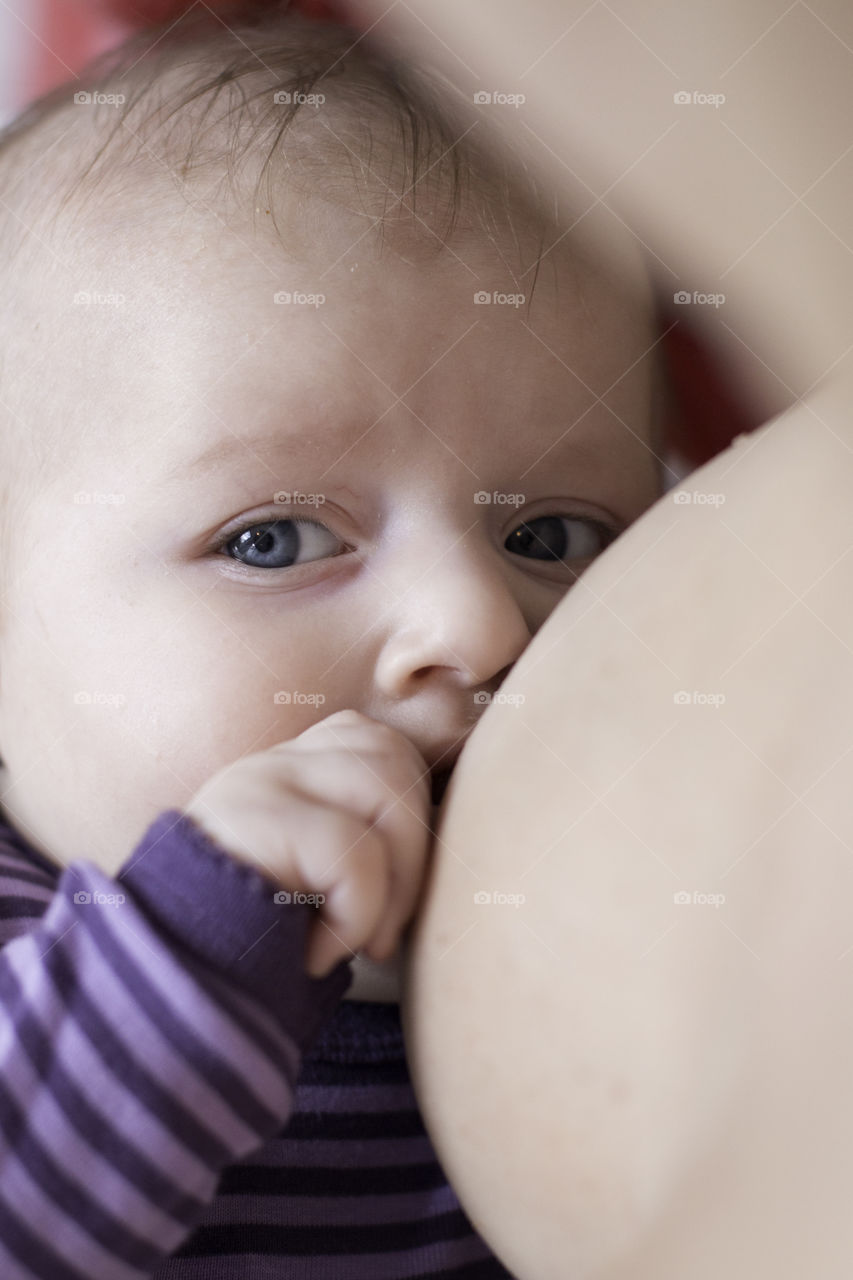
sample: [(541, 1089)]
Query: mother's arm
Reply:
[(751, 198), (622, 1085)]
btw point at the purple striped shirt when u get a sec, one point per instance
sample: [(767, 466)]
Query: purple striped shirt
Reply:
[(178, 1099)]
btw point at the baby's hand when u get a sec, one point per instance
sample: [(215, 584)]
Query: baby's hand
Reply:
[(343, 810)]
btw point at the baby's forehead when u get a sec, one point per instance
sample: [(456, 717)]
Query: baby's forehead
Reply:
[(180, 173), (136, 225), (212, 284), (282, 123), (212, 328)]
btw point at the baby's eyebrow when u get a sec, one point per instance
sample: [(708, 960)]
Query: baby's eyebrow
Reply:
[(325, 445)]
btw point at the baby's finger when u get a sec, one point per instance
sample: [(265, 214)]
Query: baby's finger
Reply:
[(353, 873), (387, 797), (387, 781), (354, 730)]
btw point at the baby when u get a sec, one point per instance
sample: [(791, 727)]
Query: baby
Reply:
[(328, 413)]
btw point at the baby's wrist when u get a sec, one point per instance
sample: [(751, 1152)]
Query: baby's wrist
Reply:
[(225, 915)]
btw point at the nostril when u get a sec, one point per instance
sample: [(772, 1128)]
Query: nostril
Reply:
[(440, 780)]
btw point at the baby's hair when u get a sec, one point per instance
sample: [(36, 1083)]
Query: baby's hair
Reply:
[(302, 107), (215, 94)]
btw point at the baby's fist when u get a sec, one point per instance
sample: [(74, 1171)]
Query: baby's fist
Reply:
[(341, 811)]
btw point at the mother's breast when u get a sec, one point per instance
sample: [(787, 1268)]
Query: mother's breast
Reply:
[(664, 918)]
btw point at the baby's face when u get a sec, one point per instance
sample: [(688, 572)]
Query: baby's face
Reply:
[(145, 643)]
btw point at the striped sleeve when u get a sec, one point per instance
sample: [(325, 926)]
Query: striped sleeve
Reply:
[(152, 1027)]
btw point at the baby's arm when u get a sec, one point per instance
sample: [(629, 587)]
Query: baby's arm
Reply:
[(144, 1046), (148, 1043)]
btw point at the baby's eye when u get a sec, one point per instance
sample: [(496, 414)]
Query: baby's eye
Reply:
[(560, 538), (278, 544)]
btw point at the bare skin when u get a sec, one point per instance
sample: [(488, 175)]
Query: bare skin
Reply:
[(338, 814), (635, 1067), (134, 648), (749, 197), (651, 1089)]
